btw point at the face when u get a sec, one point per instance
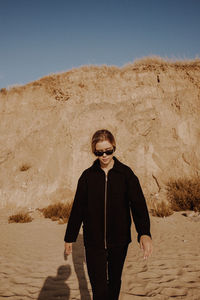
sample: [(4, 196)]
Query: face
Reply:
[(105, 160)]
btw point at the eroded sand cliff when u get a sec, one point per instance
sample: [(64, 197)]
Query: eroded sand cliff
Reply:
[(151, 106)]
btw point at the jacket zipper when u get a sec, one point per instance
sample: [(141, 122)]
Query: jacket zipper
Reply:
[(105, 210)]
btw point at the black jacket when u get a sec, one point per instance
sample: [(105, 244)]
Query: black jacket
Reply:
[(104, 207)]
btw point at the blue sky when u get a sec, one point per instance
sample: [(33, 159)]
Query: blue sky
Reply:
[(40, 37)]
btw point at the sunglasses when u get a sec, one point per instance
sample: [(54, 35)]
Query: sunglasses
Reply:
[(101, 153)]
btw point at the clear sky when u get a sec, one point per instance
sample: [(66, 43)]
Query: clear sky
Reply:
[(39, 37)]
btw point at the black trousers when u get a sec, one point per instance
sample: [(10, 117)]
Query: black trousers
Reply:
[(105, 269)]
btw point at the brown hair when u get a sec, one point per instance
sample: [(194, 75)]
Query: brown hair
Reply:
[(102, 135)]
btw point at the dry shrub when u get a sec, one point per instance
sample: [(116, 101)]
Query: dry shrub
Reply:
[(57, 211), (24, 167), (3, 91), (20, 218), (161, 209), (184, 194)]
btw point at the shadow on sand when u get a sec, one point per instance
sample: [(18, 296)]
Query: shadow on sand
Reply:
[(57, 287)]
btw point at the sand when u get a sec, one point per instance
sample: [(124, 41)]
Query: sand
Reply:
[(33, 266)]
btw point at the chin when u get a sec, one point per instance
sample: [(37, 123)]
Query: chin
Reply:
[(106, 162)]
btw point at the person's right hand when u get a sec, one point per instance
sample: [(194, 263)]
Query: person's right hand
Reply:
[(68, 248)]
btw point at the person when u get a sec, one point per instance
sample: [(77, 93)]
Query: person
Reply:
[(107, 194)]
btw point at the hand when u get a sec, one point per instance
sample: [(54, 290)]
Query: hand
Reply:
[(146, 245), (68, 248)]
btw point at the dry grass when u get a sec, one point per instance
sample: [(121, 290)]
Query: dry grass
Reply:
[(3, 91), (161, 209), (184, 194), (66, 85), (57, 211), (159, 65), (20, 218), (151, 63)]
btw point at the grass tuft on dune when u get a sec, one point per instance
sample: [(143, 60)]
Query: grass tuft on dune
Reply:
[(161, 209), (20, 218), (184, 194), (58, 211)]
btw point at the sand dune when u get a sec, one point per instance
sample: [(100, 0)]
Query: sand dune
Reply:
[(32, 262)]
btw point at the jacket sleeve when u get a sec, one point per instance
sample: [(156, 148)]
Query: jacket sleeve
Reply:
[(76, 215), (138, 206)]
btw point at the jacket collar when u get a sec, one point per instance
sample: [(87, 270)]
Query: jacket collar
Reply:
[(118, 166)]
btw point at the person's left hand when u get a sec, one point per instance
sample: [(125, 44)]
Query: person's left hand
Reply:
[(146, 245)]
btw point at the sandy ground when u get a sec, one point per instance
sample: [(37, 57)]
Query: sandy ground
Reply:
[(32, 264)]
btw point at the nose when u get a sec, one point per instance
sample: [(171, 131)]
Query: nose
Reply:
[(104, 154)]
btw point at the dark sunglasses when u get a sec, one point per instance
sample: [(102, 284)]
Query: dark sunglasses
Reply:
[(101, 153)]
